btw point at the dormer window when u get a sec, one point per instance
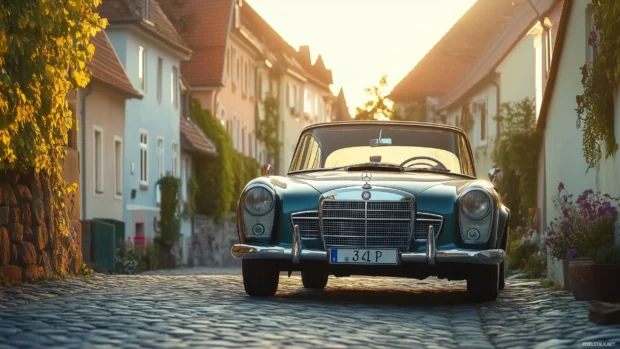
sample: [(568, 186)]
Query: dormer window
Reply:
[(145, 10)]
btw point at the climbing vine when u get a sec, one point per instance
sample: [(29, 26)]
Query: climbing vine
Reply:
[(170, 224), (595, 107), (44, 46), (516, 153), (267, 129)]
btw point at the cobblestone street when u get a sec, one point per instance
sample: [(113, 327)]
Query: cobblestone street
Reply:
[(208, 308)]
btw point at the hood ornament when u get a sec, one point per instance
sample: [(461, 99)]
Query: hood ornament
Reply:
[(366, 176)]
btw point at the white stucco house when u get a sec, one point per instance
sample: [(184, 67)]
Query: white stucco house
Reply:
[(562, 148)]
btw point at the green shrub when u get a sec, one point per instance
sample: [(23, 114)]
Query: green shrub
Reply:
[(215, 176)]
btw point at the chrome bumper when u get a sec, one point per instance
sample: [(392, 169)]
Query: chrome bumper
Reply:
[(431, 256)]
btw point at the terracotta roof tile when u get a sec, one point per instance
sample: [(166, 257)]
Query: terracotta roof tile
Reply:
[(194, 140), (455, 52), (204, 24), (106, 67), (516, 28), (129, 11)]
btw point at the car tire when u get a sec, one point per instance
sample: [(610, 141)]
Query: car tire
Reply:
[(260, 277), (483, 285), (502, 276), (316, 280)]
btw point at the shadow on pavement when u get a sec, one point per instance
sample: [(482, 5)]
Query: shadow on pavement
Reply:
[(418, 297)]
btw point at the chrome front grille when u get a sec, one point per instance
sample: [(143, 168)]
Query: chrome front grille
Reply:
[(308, 223), (422, 221), (379, 224)]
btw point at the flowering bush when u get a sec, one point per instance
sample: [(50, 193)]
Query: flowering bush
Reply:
[(126, 261), (584, 226), (527, 252)]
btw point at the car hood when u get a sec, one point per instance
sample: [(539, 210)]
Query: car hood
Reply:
[(413, 183)]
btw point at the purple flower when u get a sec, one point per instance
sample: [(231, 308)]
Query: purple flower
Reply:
[(571, 254), (561, 186)]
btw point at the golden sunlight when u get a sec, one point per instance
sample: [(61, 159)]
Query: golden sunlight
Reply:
[(362, 39)]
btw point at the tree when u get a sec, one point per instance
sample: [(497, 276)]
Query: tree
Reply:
[(378, 107), (44, 47)]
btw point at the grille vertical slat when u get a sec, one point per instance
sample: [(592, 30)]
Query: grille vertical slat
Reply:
[(379, 224)]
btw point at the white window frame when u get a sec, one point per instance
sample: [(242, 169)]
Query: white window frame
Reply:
[(235, 131), (118, 182), (98, 191), (160, 79), (174, 87), (161, 168), (478, 123), (142, 68), (144, 147), (223, 116), (175, 159), (184, 181), (146, 10)]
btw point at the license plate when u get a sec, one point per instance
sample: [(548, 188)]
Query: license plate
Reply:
[(362, 256)]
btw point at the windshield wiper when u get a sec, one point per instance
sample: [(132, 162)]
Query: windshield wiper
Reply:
[(432, 169), (374, 165)]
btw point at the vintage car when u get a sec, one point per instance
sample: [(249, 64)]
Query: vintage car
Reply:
[(374, 198)]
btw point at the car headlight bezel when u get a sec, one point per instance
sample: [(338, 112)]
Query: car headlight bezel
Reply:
[(482, 200), (269, 197)]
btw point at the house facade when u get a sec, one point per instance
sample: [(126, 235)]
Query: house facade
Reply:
[(151, 52), (562, 146), (511, 68), (101, 136)]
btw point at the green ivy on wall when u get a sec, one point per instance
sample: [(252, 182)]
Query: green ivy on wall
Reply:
[(595, 107), (267, 129), (516, 153), (170, 223)]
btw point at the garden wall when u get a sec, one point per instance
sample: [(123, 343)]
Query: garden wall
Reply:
[(211, 242), (30, 247)]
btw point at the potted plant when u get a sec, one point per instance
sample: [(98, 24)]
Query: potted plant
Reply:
[(583, 235)]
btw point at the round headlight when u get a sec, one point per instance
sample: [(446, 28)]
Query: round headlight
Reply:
[(258, 201), (475, 204)]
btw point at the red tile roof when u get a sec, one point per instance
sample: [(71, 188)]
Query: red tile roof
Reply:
[(445, 63), (106, 67), (130, 12), (516, 28), (194, 140), (204, 24)]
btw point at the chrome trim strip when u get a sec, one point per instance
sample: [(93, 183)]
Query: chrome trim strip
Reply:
[(493, 256), (296, 245), (431, 249), (438, 218)]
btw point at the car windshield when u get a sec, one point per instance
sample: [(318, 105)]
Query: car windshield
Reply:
[(408, 147)]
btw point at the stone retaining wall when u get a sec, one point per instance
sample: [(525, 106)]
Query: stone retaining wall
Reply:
[(211, 242), (29, 245)]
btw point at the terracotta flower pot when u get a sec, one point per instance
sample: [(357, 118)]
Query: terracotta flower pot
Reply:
[(591, 281)]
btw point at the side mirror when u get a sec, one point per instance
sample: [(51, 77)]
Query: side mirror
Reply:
[(266, 170), (495, 174)]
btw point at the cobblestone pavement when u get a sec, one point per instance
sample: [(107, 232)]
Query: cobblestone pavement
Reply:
[(208, 308)]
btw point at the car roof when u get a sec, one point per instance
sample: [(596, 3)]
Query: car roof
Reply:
[(390, 122)]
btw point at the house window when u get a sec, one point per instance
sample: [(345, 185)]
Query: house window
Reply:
[(160, 67), (223, 119), (228, 63), (160, 157), (118, 166), (246, 77), (251, 145), (98, 157), (243, 140), (174, 87), (237, 70), (316, 106), (252, 81), (480, 113), (175, 159), (292, 95), (260, 87), (144, 152), (590, 27), (142, 68)]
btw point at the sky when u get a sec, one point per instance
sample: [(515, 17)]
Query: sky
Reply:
[(362, 39)]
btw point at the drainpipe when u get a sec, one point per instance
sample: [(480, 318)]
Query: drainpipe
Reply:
[(87, 91)]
